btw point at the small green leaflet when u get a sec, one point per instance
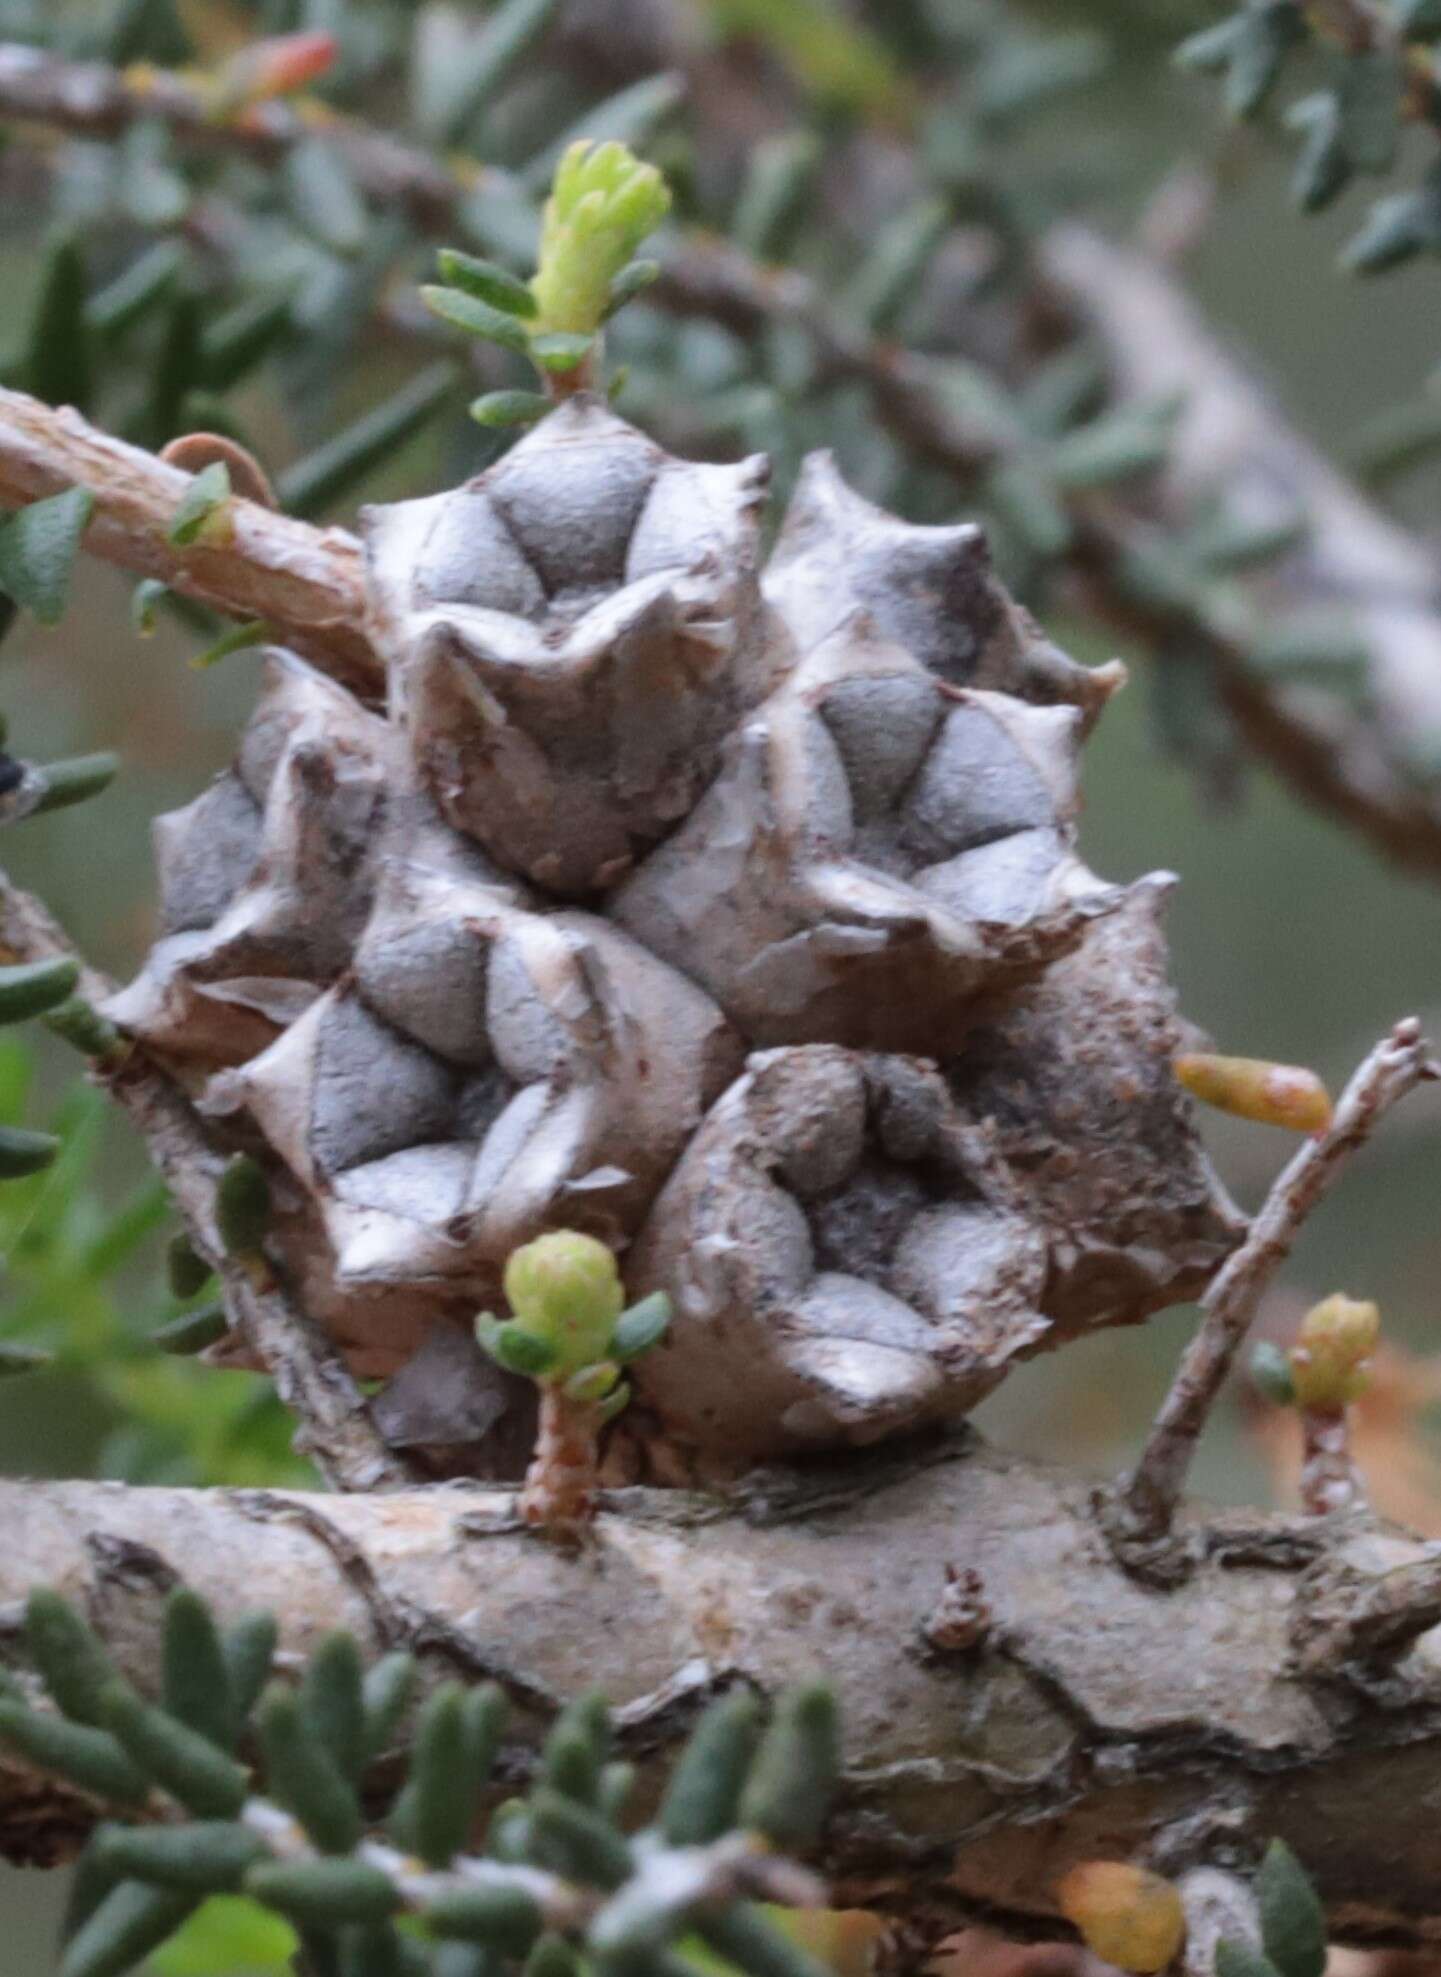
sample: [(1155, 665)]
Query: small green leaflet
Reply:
[(255, 631), (228, 1937), (38, 545), (1293, 1923), (207, 492), (476, 318), (145, 601), (509, 408)]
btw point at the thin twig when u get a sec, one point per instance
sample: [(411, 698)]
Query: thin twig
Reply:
[(306, 581), (310, 1376), (1147, 1498)]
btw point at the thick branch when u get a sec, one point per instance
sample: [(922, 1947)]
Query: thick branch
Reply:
[(1096, 1718), (310, 1376), (304, 580), (1149, 1496)]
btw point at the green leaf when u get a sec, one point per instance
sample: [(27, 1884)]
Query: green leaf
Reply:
[(242, 1205), (487, 281), (475, 76), (1026, 499), (1370, 104), (891, 274), (1323, 167), (704, 1793), (229, 1934), (641, 1326), (208, 492), (75, 780), (507, 1920), (186, 1269), (145, 601), (455, 1742), (748, 1940), (38, 546), (89, 1758), (192, 1332), (514, 1348), (332, 470), (558, 351), (788, 1791), (195, 1686), (73, 1662), (1268, 33), (148, 31), (1130, 442), (57, 364), (23, 1152), (1240, 1960), (205, 1780), (331, 1697), (126, 301), (777, 184), (634, 279), (131, 1922), (576, 1748), (203, 1858), (31, 987), (324, 1894), (78, 1023), (1293, 1922), (148, 189), (476, 318), (509, 408), (386, 1693), (234, 344), (1271, 1374), (300, 1772), (323, 197), (576, 1842), (1394, 230), (239, 638), (18, 1359), (249, 1648)]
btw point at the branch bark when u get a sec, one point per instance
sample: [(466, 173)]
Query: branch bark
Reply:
[(1355, 562), (1097, 1718), (306, 581), (311, 1377), (1147, 1499)]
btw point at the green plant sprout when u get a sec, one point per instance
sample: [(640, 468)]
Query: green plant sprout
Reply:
[(603, 205), (571, 1332)]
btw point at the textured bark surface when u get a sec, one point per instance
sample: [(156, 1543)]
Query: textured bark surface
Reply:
[(1094, 1717)]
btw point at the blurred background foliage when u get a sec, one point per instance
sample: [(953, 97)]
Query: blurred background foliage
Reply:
[(280, 308)]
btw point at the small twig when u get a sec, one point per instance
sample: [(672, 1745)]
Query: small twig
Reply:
[(1147, 1498), (274, 567), (309, 1374)]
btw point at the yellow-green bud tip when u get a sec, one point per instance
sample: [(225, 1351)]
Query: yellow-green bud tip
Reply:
[(1330, 1359), (564, 1287)]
